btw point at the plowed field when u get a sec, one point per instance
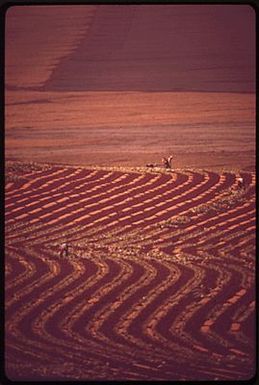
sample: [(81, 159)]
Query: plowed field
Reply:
[(158, 283)]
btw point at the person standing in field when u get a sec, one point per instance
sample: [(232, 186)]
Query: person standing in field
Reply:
[(167, 162), (64, 250), (240, 182)]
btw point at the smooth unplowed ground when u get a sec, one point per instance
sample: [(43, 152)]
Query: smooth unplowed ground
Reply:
[(159, 283), (203, 130)]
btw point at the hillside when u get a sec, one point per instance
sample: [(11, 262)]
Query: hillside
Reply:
[(158, 283)]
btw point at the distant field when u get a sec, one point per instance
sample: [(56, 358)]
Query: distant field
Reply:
[(201, 129), (159, 283)]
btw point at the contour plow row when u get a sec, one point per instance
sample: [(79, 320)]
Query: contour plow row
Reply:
[(158, 282)]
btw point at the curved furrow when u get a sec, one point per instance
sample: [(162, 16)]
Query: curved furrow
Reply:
[(214, 241), (45, 271), (49, 321), (78, 206), (62, 298), (99, 297), (216, 318), (222, 229), (87, 309), (33, 229), (75, 316), (130, 298), (146, 200), (206, 229), (72, 177), (21, 178), (246, 280), (105, 221), (157, 235), (186, 325), (121, 356), (241, 323), (177, 235), (199, 222), (51, 189), (160, 273), (46, 325), (130, 324), (201, 356), (140, 329), (245, 266), (143, 241), (39, 183), (92, 217), (245, 241), (19, 325), (15, 301), (202, 211), (74, 186), (235, 236), (153, 209), (38, 218), (159, 321), (87, 335), (18, 267), (111, 210), (35, 199), (54, 200), (242, 283), (172, 207), (23, 270), (241, 297), (158, 326), (232, 233)]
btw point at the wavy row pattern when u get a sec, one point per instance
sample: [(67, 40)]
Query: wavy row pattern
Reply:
[(158, 283)]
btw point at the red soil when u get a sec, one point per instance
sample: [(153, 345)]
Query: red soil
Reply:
[(159, 283), (202, 130)]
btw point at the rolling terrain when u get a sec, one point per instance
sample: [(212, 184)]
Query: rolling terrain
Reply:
[(121, 85), (159, 279), (158, 284)]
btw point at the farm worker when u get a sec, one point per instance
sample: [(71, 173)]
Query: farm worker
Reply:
[(170, 160), (165, 163), (240, 182), (63, 250)]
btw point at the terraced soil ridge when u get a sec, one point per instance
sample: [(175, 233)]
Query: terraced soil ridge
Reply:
[(158, 283)]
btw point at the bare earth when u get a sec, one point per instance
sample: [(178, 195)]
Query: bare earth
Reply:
[(159, 279), (158, 283), (201, 129)]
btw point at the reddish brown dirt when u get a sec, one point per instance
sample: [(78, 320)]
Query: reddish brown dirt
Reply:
[(159, 282), (202, 130)]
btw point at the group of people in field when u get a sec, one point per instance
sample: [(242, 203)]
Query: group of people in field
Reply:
[(166, 163)]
